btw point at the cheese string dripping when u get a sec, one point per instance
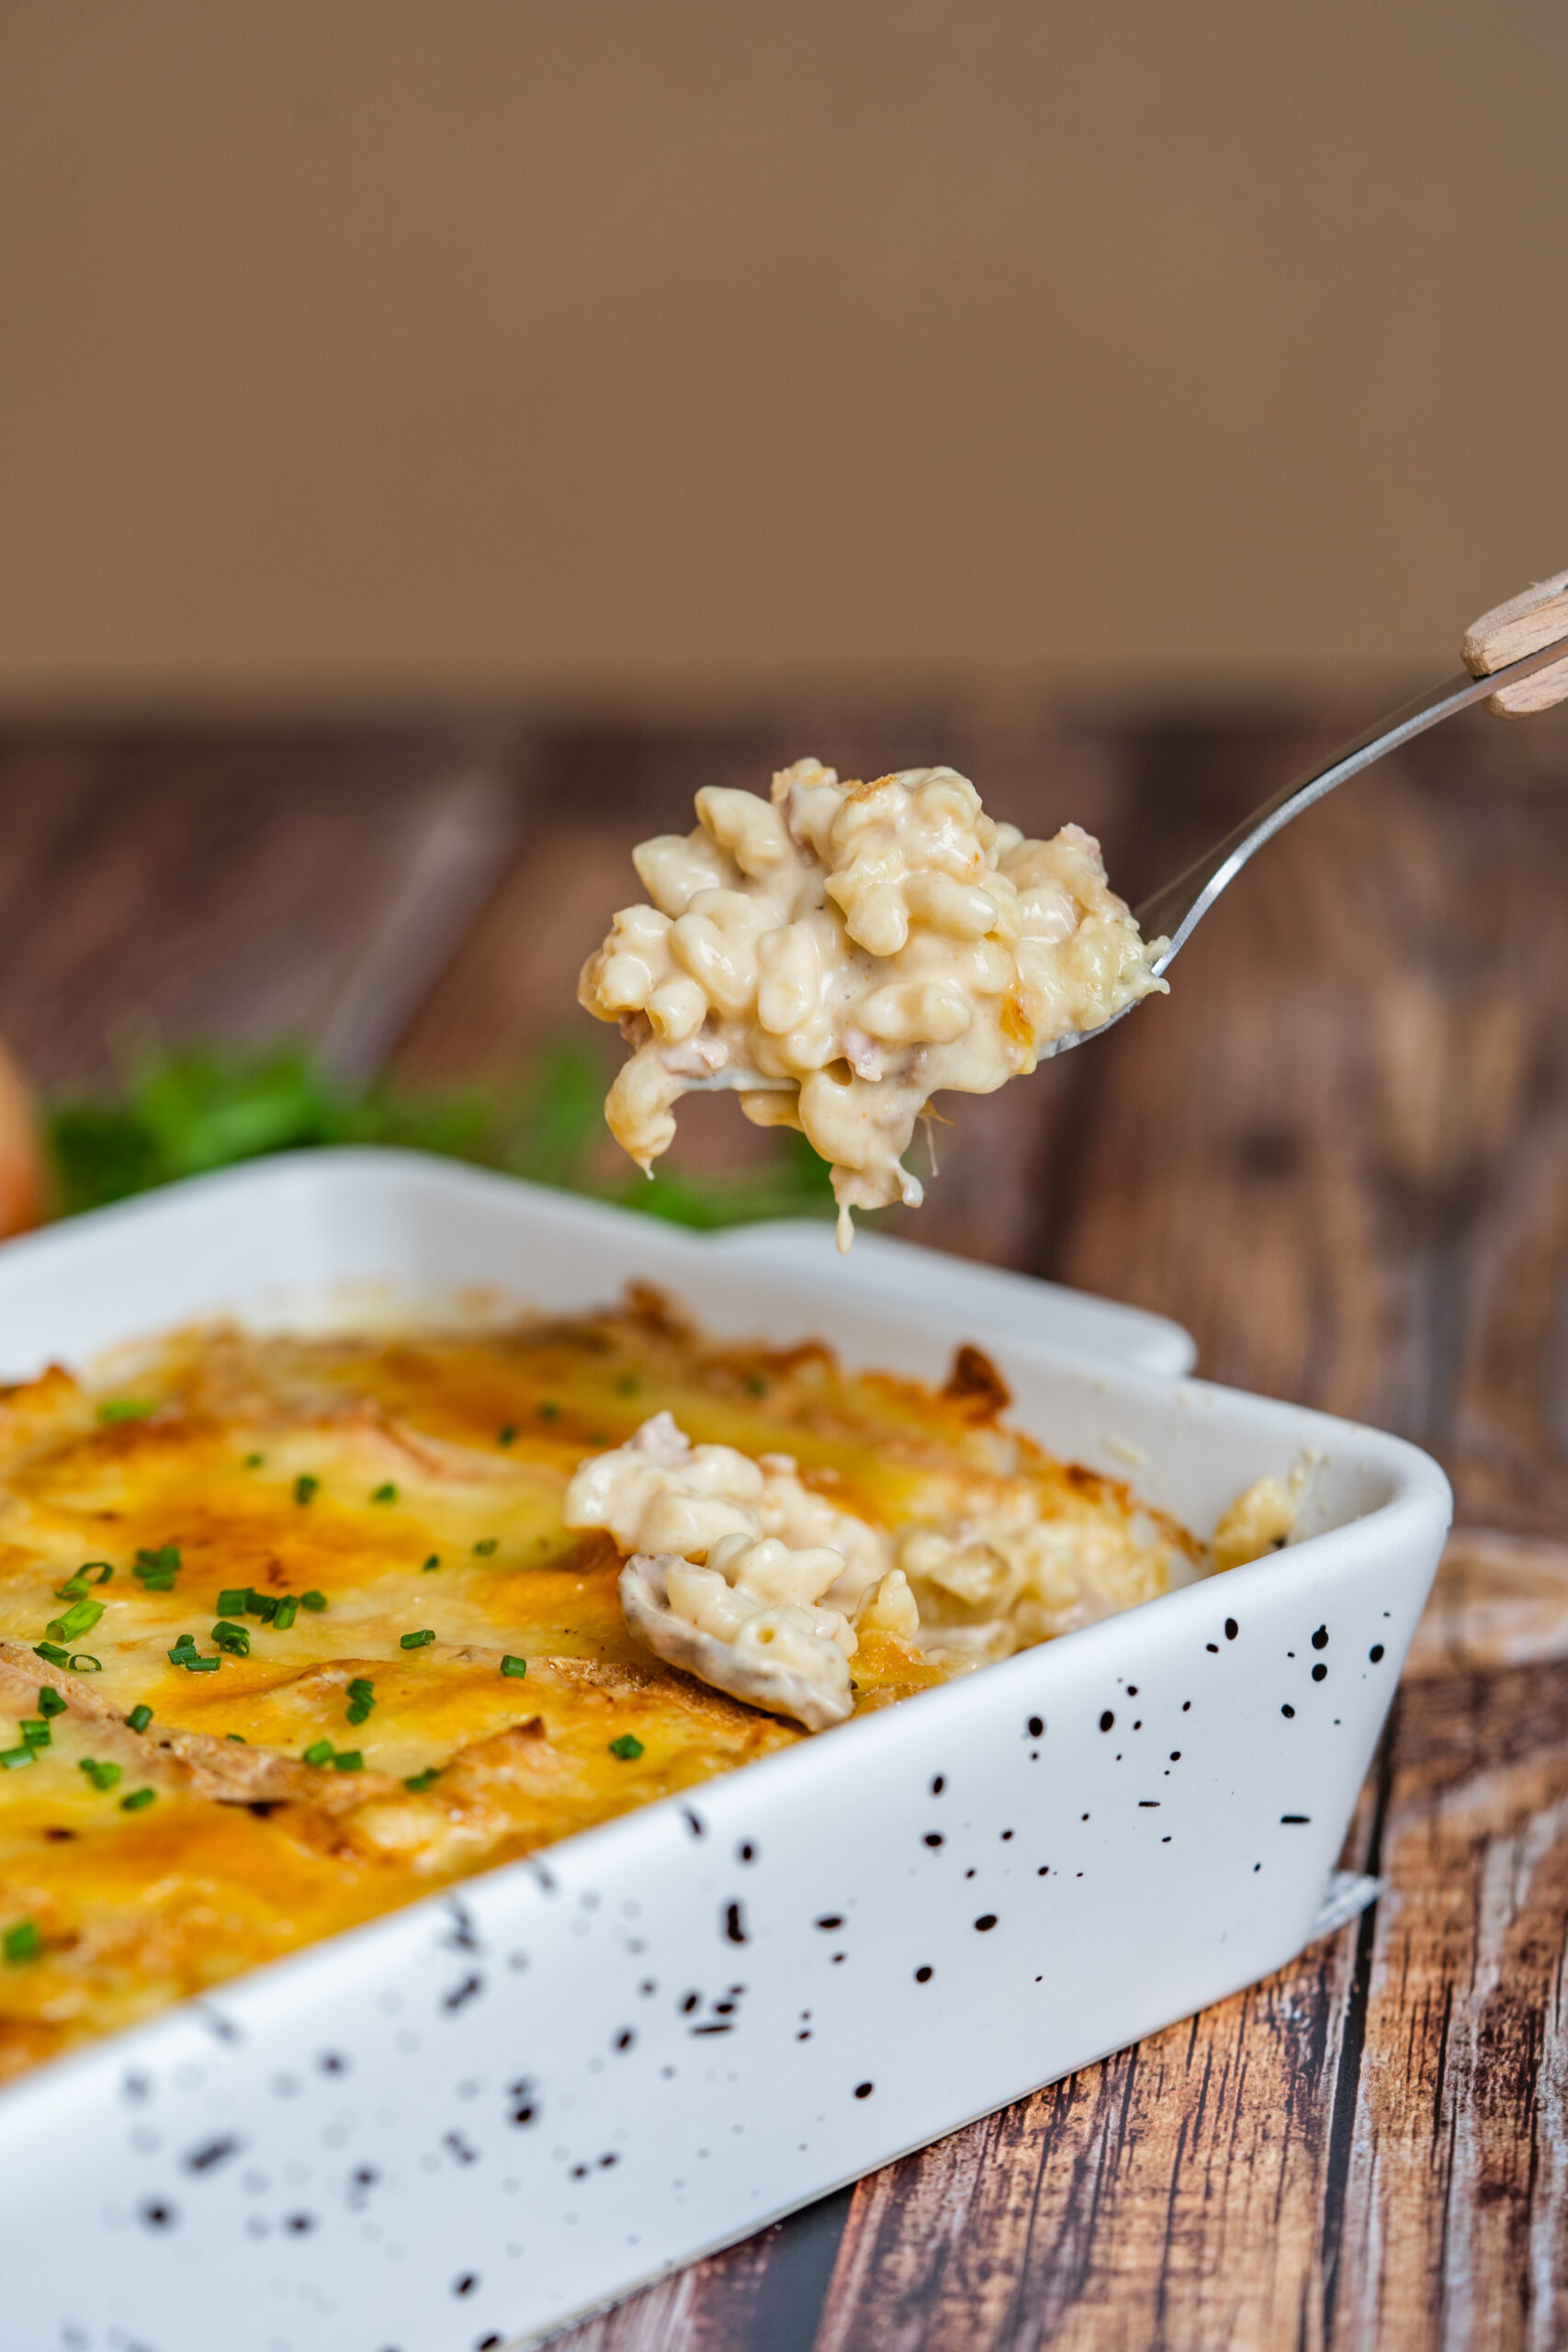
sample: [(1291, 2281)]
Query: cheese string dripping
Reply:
[(838, 953)]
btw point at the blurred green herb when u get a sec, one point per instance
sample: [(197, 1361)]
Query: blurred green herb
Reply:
[(185, 1112)]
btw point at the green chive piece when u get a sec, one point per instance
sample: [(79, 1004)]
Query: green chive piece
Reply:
[(49, 1702), (258, 1604), (348, 1760), (51, 1653), (627, 1748), (627, 1384), (507, 1436), (127, 1408), (102, 1776), (104, 1568), (157, 1569), (183, 1651), (36, 1734), (485, 1547), (305, 1486), (434, 1562), (232, 1601), (139, 1717), (201, 1665), (515, 1667), (82, 1662), (15, 1760), (419, 1641), (234, 1639), (22, 1943), (74, 1588), (319, 1752), (755, 1384), (360, 1688), (285, 1613), (316, 1600), (359, 1712), (255, 1461), (420, 1781), (139, 1800), (237, 1737), (79, 1619), (387, 1494), (549, 1412)]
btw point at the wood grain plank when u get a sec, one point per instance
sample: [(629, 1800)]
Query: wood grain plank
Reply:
[(203, 884)]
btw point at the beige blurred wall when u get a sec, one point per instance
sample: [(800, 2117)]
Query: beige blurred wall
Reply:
[(356, 346)]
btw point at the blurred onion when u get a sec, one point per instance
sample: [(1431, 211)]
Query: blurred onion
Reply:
[(22, 1183)]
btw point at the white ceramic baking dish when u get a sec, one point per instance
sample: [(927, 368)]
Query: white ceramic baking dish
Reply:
[(463, 2125)]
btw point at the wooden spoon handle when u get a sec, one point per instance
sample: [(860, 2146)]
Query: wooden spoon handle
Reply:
[(1522, 626)]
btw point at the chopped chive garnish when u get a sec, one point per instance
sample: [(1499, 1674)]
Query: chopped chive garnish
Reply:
[(419, 1641), (507, 1436), (517, 1667), (234, 1639), (102, 1776), (434, 1562), (627, 1748), (361, 1699), (79, 1619), (485, 1547), (82, 1662), (316, 1600), (627, 1384), (285, 1613), (51, 1653), (157, 1569), (127, 1408), (237, 1737), (360, 1711), (361, 1688), (598, 1437), (319, 1752), (202, 1665), (104, 1568), (14, 1759), (348, 1760), (232, 1600), (255, 1461), (139, 1717), (22, 1943), (35, 1732), (72, 1588), (420, 1781), (548, 1412), (305, 1486), (387, 1494), (49, 1702), (755, 1384), (257, 1604), (137, 1801)]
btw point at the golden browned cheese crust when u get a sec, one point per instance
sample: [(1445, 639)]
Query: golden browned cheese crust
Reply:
[(413, 1486)]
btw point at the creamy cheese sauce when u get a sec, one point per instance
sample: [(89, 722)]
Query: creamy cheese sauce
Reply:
[(841, 952)]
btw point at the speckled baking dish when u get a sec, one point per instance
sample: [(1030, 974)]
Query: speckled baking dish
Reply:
[(465, 2124)]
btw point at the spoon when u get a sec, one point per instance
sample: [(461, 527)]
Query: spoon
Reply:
[(1516, 659)]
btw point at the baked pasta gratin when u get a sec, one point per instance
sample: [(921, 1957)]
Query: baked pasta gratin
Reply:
[(295, 1630)]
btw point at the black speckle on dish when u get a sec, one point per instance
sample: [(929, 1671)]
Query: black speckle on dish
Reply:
[(693, 1822), (1212, 1647), (748, 1852), (1035, 1727), (1375, 1652), (461, 1995), (302, 2225), (933, 1838), (333, 2062), (1137, 1726), (1231, 1629), (734, 1925), (624, 2039), (985, 1923), (1319, 1671), (831, 1920), (922, 1975), (689, 2003), (939, 1784), (1176, 1755), (1288, 1712), (969, 1873), (1295, 1820), (1107, 1719), (1132, 1690), (1006, 1834), (1148, 1804), (1320, 1639), (606, 2160), (864, 2090), (159, 2216), (215, 2152), (1187, 1706), (1043, 1871)]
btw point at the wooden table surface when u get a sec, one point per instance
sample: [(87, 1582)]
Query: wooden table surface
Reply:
[(1339, 1154)]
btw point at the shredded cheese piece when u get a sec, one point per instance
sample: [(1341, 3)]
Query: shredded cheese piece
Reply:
[(840, 953)]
